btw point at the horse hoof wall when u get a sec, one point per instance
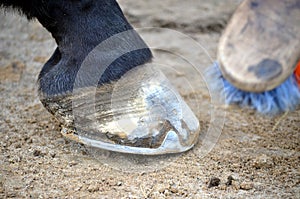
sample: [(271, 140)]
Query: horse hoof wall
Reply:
[(141, 113)]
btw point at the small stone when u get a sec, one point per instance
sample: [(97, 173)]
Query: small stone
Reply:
[(166, 192), (52, 154), (214, 182), (73, 163), (263, 161), (36, 153), (229, 181), (93, 188), (119, 184), (29, 141), (173, 190), (246, 186), (161, 190), (78, 188)]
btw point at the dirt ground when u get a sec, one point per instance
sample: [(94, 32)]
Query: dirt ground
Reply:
[(254, 157)]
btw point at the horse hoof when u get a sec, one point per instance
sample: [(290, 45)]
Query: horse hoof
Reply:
[(141, 113)]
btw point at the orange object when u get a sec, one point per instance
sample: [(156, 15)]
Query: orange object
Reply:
[(297, 73)]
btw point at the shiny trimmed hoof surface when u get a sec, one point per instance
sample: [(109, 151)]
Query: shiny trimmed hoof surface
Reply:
[(141, 114)]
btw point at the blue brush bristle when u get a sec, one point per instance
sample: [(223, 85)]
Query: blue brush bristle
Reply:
[(286, 97)]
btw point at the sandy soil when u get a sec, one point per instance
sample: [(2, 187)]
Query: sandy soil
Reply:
[(254, 157)]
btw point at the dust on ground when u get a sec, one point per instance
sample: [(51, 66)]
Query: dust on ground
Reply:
[(255, 156)]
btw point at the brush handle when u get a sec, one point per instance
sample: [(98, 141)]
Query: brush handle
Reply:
[(259, 48), (297, 73)]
